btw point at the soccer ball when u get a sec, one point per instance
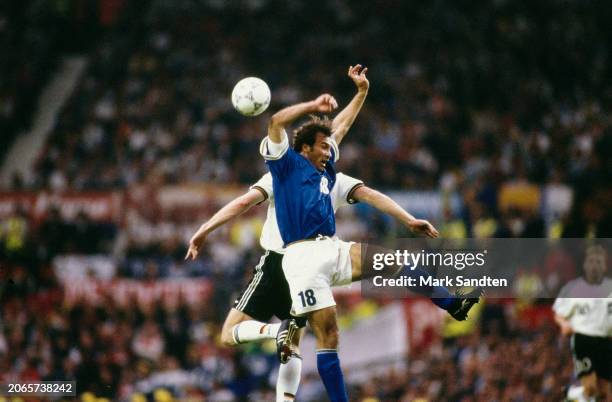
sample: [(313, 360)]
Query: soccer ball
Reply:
[(251, 96)]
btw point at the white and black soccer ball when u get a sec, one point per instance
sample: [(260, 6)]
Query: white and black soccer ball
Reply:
[(251, 96)]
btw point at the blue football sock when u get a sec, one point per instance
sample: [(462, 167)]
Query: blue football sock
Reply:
[(328, 365), (439, 295)]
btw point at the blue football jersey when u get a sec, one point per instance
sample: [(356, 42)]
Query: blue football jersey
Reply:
[(301, 193)]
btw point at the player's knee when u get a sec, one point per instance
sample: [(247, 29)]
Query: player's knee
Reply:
[(325, 329), (590, 391), (330, 337), (333, 339), (589, 384)]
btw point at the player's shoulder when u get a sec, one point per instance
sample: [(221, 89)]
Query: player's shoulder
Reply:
[(345, 178), (566, 290), (607, 286), (265, 178)]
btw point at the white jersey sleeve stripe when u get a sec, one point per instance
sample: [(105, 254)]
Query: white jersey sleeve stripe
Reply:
[(262, 191), (349, 197), (335, 148), (272, 151), (264, 184)]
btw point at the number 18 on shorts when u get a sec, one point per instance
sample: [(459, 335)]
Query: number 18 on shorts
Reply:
[(312, 268), (308, 298)]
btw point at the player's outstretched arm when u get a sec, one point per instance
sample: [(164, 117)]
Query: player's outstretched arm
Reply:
[(276, 128), (385, 204), (234, 208), (344, 120)]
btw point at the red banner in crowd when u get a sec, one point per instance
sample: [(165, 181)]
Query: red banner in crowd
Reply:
[(10, 202), (99, 206), (127, 291)]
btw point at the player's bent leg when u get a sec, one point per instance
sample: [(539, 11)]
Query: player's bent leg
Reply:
[(233, 317), (457, 305), (240, 328), (289, 374)]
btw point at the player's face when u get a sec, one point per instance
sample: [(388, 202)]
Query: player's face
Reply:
[(320, 152), (595, 267)]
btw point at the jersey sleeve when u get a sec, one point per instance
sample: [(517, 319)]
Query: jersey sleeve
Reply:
[(335, 150), (264, 184), (280, 158), (344, 189), (564, 305), (272, 151)]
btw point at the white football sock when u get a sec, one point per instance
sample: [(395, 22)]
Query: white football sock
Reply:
[(288, 379), (252, 330)]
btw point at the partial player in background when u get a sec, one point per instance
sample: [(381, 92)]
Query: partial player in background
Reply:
[(583, 310)]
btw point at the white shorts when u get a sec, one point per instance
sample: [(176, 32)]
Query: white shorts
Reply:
[(311, 268)]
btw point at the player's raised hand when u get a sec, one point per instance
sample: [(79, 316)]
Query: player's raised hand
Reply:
[(325, 103), (358, 75), (195, 246), (421, 226)]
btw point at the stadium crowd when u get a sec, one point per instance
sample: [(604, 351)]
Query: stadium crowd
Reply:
[(490, 116), (154, 106), (127, 352)]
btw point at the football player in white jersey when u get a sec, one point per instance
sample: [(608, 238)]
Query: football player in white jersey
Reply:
[(267, 293), (583, 310)]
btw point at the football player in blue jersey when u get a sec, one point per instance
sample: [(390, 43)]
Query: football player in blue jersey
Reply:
[(315, 260)]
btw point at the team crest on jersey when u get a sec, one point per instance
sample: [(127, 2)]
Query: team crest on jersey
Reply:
[(324, 188)]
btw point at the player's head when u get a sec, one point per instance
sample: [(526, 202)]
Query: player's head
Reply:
[(312, 140), (595, 264)]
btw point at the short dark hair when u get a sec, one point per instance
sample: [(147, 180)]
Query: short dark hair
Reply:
[(306, 134)]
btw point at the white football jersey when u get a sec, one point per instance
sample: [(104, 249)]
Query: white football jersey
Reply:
[(270, 235), (587, 307)]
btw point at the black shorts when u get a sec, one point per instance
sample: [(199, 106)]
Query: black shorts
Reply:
[(592, 354), (267, 293)]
